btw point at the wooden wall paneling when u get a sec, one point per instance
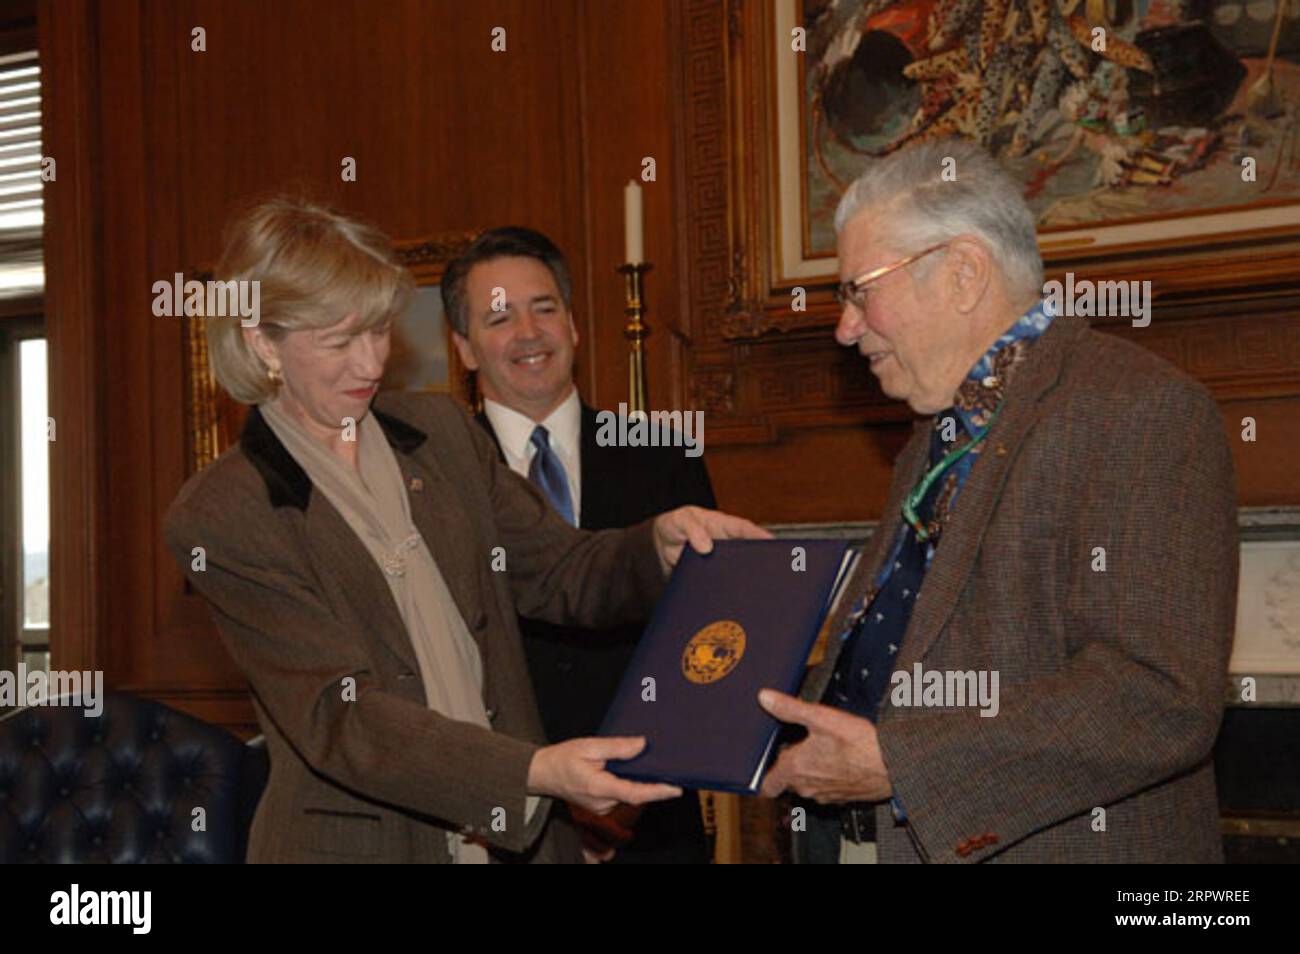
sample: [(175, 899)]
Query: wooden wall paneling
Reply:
[(1268, 469), (830, 474), (184, 665), (1239, 347), (1245, 347), (73, 297), (127, 52), (448, 136), (568, 223), (627, 116)]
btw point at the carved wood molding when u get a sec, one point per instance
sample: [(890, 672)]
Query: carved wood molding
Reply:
[(1239, 351), (754, 366), (428, 257), (702, 115)]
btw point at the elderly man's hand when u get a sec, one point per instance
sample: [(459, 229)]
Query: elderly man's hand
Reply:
[(839, 761), (699, 527)]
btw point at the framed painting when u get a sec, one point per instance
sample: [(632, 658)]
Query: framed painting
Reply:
[(422, 357), (1135, 126), (1268, 605)]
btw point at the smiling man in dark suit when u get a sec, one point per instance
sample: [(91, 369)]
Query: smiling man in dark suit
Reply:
[(509, 300)]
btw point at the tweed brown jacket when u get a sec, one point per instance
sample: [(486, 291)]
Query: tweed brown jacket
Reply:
[(361, 770), (1111, 680)]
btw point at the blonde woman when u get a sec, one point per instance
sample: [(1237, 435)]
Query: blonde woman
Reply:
[(365, 557)]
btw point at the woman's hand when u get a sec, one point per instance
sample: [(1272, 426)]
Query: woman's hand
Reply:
[(575, 772), (602, 835), (699, 527)]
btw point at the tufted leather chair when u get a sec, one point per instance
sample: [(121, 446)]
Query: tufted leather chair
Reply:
[(123, 786)]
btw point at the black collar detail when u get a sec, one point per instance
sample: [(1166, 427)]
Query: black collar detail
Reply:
[(402, 436), (286, 481)]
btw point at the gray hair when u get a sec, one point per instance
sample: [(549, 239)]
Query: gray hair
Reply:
[(907, 190)]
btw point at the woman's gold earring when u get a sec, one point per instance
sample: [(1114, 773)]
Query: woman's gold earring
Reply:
[(276, 377)]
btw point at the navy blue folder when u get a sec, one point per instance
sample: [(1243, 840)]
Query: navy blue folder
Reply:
[(731, 623)]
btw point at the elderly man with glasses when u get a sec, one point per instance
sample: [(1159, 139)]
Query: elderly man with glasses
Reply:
[(1031, 666)]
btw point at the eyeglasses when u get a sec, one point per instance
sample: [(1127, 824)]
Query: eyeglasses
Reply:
[(854, 292)]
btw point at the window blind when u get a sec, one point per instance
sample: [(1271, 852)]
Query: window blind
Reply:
[(21, 216)]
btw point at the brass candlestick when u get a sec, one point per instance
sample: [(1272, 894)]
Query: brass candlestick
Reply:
[(635, 331)]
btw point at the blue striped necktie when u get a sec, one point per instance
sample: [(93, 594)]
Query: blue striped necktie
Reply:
[(547, 472)]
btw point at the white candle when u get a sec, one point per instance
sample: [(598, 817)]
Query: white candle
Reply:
[(633, 240)]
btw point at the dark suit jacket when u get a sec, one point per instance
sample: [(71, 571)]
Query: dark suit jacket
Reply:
[(1111, 683), (576, 671), (374, 775)]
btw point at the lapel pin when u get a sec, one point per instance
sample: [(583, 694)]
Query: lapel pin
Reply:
[(417, 485), (1001, 451)]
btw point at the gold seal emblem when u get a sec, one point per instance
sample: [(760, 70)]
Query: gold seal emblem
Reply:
[(713, 652)]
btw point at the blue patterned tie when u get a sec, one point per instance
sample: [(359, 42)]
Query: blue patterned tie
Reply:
[(547, 472), (866, 661)]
